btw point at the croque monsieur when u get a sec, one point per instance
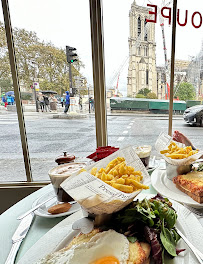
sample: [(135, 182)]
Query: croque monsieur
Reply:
[(99, 248), (191, 184)]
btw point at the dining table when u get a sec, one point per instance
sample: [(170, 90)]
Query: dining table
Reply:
[(40, 225)]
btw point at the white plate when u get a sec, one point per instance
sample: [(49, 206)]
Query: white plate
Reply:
[(62, 234), (166, 187), (43, 210)]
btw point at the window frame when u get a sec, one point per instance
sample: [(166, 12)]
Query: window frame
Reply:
[(97, 42)]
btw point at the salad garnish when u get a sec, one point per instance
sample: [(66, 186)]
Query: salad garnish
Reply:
[(152, 220)]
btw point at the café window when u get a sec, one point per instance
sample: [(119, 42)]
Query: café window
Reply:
[(11, 155), (140, 70), (42, 65), (44, 78)]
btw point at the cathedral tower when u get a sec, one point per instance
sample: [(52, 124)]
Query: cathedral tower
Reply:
[(142, 58)]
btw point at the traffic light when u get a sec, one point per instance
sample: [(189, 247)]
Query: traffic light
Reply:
[(70, 54)]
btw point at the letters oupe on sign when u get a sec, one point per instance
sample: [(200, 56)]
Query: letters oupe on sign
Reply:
[(166, 13)]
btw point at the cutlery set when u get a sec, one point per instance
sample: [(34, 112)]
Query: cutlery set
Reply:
[(18, 237)]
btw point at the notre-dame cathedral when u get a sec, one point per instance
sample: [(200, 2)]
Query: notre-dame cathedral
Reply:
[(142, 71)]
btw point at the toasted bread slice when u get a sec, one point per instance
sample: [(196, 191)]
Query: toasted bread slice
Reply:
[(196, 198), (146, 248), (136, 253), (191, 184), (82, 238)]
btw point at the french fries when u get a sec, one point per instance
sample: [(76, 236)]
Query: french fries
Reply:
[(176, 152), (120, 176)]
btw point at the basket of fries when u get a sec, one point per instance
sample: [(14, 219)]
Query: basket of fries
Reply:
[(178, 157), (110, 184)]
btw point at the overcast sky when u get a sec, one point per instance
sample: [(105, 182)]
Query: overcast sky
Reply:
[(65, 22)]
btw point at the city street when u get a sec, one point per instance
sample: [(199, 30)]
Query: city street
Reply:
[(48, 138)]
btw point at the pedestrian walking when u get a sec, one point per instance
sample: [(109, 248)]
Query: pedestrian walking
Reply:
[(46, 103), (91, 101), (9, 100), (12, 100), (62, 101), (4, 101), (80, 102), (41, 101), (67, 104)]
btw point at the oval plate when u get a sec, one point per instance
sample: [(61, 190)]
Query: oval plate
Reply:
[(43, 210), (166, 187)]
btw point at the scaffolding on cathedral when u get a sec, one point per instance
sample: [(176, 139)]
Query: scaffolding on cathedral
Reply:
[(195, 72)]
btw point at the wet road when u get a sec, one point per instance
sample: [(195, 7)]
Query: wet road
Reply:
[(48, 138)]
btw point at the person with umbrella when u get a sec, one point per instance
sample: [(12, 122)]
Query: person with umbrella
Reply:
[(46, 103), (50, 100), (41, 101), (9, 100), (67, 104)]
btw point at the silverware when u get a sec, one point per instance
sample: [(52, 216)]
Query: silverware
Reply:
[(37, 206), (198, 254), (196, 211), (18, 237)]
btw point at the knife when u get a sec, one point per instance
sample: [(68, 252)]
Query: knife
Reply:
[(18, 237)]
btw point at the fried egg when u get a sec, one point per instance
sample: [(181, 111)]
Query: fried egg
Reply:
[(108, 247)]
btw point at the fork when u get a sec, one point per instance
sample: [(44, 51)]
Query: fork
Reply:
[(196, 211)]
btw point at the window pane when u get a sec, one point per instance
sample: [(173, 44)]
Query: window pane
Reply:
[(41, 35), (188, 68), (11, 158), (136, 72)]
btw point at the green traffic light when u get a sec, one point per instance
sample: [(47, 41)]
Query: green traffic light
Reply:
[(71, 60)]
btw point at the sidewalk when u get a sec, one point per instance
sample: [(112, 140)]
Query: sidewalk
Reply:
[(30, 110)]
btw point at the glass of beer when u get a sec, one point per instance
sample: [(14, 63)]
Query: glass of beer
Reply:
[(59, 174)]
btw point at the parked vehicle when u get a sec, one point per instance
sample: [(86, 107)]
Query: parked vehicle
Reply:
[(194, 115)]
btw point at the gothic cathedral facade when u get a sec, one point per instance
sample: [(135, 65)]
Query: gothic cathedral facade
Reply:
[(142, 52)]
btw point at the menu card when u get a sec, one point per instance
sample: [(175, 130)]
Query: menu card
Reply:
[(97, 197)]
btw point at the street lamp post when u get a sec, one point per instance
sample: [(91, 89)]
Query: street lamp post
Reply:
[(89, 97), (34, 88)]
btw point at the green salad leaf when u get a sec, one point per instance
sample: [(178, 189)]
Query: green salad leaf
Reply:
[(142, 211), (166, 212), (168, 240), (132, 239)]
